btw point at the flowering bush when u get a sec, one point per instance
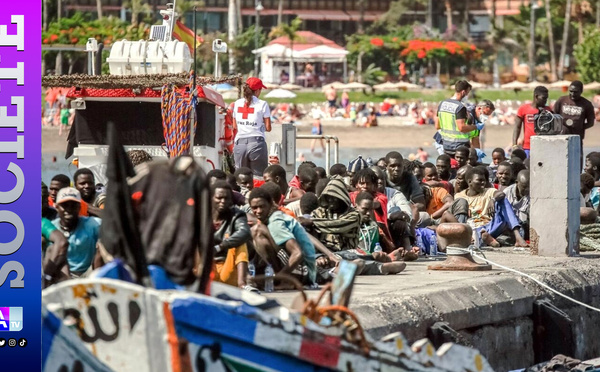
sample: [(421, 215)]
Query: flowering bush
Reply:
[(415, 50)]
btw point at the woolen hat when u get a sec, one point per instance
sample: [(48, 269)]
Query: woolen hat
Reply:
[(357, 164)]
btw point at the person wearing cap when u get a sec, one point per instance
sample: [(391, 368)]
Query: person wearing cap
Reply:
[(577, 111), (81, 232), (252, 120), (355, 165)]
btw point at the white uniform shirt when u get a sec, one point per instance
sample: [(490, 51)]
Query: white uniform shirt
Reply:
[(250, 120)]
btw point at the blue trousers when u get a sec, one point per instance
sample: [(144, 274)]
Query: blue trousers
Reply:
[(504, 219)]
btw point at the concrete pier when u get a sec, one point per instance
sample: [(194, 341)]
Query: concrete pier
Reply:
[(555, 190), (497, 311)]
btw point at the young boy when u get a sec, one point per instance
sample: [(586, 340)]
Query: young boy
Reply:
[(245, 180)]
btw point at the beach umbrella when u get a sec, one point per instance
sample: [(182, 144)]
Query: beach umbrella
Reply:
[(592, 86), (514, 85), (271, 86), (281, 93), (290, 86), (232, 94), (335, 85), (355, 86), (223, 87), (388, 85), (535, 84), (405, 85), (560, 84)]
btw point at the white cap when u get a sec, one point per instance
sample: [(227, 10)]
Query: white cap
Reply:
[(68, 194)]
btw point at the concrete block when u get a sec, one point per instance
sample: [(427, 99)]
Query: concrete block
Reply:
[(555, 189), (555, 167)]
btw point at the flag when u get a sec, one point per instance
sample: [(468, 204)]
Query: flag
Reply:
[(119, 232), (183, 33)]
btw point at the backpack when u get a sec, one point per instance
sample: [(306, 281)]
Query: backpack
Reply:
[(547, 123)]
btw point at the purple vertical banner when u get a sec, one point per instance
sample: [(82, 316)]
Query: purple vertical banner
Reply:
[(20, 178)]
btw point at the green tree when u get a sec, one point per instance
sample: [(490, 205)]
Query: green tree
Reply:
[(290, 31), (242, 48), (587, 55)]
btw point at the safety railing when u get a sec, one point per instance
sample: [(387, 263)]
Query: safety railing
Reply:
[(328, 139)]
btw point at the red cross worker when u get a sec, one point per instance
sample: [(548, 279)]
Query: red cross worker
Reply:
[(253, 118)]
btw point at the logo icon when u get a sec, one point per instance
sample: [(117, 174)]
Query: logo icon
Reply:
[(22, 342), (2, 342), (12, 342), (11, 319)]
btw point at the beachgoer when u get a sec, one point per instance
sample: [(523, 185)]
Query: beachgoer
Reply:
[(317, 130), (422, 155), (526, 117), (345, 100), (451, 120), (81, 232), (252, 120)]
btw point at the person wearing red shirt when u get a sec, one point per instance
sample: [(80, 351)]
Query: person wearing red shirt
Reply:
[(366, 180), (525, 117)]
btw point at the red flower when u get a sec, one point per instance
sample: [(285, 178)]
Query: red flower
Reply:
[(473, 47), (53, 38), (377, 42), (395, 39), (422, 54), (45, 41), (74, 40)]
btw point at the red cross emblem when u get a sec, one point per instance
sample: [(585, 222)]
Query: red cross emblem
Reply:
[(245, 111)]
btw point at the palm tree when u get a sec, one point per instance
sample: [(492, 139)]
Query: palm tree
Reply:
[(291, 32), (551, 41), (448, 5), (502, 41), (361, 17), (565, 39), (137, 7), (232, 32), (581, 9), (98, 8), (280, 13)]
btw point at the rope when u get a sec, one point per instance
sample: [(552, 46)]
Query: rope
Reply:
[(177, 110), (532, 278), (590, 237)]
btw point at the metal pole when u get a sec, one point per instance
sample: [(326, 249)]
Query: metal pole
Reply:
[(336, 149), (327, 155), (216, 65), (194, 113), (532, 42)]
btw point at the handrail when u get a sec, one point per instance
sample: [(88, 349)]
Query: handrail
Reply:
[(327, 138)]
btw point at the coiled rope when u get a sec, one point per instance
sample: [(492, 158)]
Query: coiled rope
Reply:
[(177, 111), (589, 239)]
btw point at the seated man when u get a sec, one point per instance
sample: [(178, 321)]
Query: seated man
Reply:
[(587, 185), (460, 183), (517, 195), (308, 183), (280, 240), (432, 178), (366, 180), (462, 156), (218, 175), (275, 191), (592, 167), (404, 181), (231, 235), (498, 156), (336, 224), (81, 232), (504, 176), (244, 177), (486, 210)]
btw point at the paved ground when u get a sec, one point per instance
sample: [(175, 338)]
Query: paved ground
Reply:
[(417, 280)]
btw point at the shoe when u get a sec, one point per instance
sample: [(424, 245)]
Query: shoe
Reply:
[(250, 288)]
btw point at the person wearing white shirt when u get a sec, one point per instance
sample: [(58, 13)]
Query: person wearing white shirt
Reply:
[(252, 120)]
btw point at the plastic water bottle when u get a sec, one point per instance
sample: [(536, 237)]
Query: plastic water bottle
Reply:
[(269, 273), (251, 269), (377, 248)]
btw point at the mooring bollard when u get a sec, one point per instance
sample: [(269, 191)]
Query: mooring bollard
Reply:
[(457, 235)]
